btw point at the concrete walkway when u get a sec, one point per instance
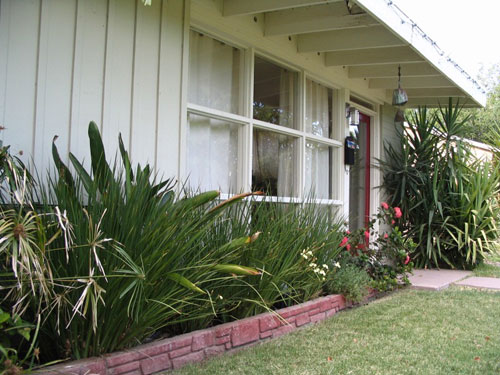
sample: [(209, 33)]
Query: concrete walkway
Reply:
[(436, 279), (442, 279), (481, 282)]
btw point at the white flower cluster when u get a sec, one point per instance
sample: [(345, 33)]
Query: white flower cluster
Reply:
[(320, 271)]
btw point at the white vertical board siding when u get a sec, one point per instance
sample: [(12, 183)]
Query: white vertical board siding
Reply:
[(19, 25), (389, 130), (64, 63), (145, 83), (88, 75), (170, 105), (54, 80), (119, 66)]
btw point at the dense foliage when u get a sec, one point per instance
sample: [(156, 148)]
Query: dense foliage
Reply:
[(448, 199), (101, 260)]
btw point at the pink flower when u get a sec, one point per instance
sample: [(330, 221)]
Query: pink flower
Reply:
[(344, 241), (348, 247), (348, 232), (384, 205), (386, 236), (397, 212), (393, 222), (367, 235), (407, 260)]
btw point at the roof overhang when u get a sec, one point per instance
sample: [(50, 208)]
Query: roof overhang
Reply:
[(370, 39)]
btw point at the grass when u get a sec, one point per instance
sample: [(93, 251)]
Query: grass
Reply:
[(489, 268), (411, 332)]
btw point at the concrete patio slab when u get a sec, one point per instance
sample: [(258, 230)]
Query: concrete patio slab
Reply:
[(481, 282), (436, 279)]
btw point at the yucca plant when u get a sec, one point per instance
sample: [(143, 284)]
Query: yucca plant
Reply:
[(449, 200)]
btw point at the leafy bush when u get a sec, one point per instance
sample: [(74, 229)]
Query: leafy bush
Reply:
[(112, 257), (384, 255), (351, 281), (448, 199)]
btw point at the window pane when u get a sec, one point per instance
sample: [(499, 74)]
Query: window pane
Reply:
[(274, 163), (274, 95), (214, 73), (212, 154), (318, 109), (318, 170)]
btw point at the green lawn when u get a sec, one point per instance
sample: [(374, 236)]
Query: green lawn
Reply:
[(410, 332), (487, 270)]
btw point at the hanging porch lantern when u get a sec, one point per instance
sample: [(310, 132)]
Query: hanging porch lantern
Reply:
[(399, 96)]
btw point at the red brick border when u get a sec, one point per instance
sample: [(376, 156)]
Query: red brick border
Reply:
[(175, 352)]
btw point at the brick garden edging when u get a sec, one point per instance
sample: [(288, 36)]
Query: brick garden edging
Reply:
[(177, 351)]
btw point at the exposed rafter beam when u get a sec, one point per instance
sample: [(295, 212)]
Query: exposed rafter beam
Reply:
[(410, 82), (436, 102), (347, 39), (432, 92), (241, 7), (389, 55), (314, 19), (391, 70)]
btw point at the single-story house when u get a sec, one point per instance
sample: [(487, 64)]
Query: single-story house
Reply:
[(235, 95)]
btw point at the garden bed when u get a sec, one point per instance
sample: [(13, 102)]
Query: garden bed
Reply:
[(175, 352)]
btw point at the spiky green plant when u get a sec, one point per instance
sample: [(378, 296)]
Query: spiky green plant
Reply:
[(448, 199), (121, 256)]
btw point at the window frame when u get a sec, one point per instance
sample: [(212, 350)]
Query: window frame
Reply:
[(246, 124)]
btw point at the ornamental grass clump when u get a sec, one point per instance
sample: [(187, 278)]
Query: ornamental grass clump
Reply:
[(449, 199), (286, 232)]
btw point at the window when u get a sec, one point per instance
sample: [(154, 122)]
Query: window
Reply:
[(274, 163), (274, 94), (214, 83), (280, 141), (213, 154)]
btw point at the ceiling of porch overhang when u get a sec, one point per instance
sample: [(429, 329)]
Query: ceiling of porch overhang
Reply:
[(369, 38)]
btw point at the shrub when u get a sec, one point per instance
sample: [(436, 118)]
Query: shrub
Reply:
[(448, 199), (384, 255), (350, 281), (112, 257)]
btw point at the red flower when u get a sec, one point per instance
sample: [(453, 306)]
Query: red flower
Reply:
[(348, 232), (348, 247), (386, 236), (393, 222), (407, 260), (344, 241), (384, 205), (367, 235), (397, 212)]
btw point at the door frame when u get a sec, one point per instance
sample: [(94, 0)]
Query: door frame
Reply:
[(368, 158)]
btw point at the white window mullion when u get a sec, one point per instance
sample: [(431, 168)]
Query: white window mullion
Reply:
[(300, 178), (248, 129)]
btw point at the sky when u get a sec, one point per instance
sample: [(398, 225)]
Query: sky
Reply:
[(467, 30)]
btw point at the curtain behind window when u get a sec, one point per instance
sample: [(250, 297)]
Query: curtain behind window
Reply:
[(214, 82)]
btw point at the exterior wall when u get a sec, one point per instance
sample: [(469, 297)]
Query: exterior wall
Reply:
[(116, 62), (124, 65)]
